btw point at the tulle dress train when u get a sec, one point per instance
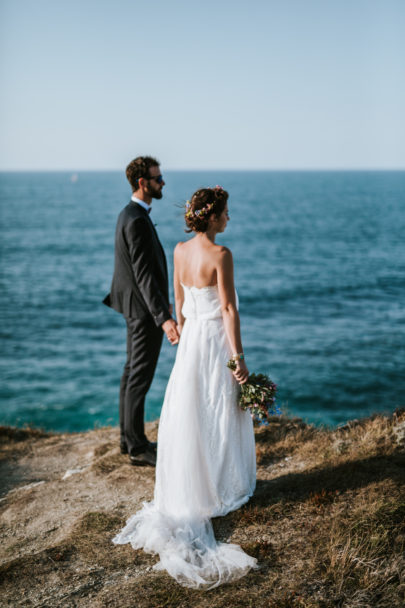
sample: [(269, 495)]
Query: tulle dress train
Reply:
[(206, 463)]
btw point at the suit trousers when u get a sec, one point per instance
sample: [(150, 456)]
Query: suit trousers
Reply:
[(144, 340)]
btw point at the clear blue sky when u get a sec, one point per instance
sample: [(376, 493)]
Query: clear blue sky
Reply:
[(281, 84)]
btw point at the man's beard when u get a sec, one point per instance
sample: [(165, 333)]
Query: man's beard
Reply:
[(155, 193)]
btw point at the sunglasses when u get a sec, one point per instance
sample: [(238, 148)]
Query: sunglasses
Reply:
[(158, 179)]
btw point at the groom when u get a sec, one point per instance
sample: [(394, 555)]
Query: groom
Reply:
[(139, 291)]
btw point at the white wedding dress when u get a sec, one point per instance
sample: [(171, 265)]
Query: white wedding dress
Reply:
[(206, 463)]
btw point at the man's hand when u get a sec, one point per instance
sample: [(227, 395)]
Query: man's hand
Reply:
[(170, 329)]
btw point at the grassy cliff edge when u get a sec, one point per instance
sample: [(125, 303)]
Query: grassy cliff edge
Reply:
[(327, 521)]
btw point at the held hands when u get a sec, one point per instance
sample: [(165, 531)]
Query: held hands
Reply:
[(170, 329), (241, 372)]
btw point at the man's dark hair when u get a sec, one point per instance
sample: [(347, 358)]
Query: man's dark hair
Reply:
[(139, 167)]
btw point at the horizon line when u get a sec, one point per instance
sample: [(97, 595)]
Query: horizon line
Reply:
[(222, 169)]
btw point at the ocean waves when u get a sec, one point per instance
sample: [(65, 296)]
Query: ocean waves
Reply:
[(319, 268)]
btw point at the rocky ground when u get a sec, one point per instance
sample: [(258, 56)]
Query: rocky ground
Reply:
[(326, 522)]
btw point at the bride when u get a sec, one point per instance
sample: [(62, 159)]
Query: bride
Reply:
[(206, 452)]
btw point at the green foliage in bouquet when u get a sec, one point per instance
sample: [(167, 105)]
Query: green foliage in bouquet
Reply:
[(257, 396)]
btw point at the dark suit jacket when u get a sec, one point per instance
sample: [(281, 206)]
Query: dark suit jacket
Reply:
[(139, 286)]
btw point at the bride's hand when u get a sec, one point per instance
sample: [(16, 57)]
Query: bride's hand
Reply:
[(241, 372), (179, 328)]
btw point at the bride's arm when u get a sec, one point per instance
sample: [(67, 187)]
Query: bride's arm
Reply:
[(230, 315), (178, 289)]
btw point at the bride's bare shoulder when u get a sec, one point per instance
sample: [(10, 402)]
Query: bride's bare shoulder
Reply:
[(179, 249), (182, 253), (224, 260), (223, 252)]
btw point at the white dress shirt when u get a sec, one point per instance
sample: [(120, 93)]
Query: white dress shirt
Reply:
[(141, 203)]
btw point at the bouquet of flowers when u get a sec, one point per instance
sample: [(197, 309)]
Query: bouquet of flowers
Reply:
[(257, 396)]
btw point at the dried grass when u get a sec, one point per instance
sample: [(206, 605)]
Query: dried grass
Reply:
[(11, 433)]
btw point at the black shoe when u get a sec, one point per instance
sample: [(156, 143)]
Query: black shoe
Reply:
[(124, 448), (148, 457)]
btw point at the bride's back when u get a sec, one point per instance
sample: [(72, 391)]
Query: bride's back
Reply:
[(197, 262)]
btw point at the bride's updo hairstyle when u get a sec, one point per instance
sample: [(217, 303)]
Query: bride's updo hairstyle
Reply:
[(204, 203)]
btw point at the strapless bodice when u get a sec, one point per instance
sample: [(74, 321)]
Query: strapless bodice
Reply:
[(201, 303)]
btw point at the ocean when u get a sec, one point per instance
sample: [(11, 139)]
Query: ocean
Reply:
[(319, 268)]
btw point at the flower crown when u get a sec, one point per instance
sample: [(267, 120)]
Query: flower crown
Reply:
[(204, 210)]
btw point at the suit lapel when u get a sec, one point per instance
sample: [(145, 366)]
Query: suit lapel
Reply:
[(159, 249)]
